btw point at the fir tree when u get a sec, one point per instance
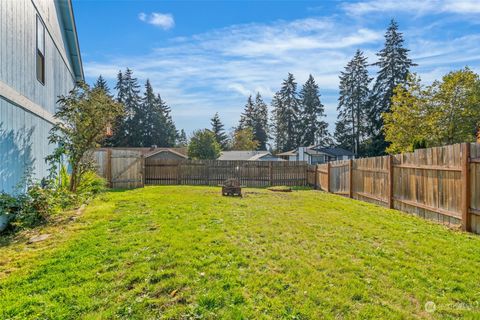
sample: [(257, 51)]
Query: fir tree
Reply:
[(153, 119), (260, 127), (128, 129), (102, 84), (352, 104), (313, 128), (247, 118), (182, 140), (394, 67), (285, 119), (135, 113), (219, 131), (165, 132), (120, 128)]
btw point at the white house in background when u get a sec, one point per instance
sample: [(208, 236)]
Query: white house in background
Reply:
[(317, 154), (250, 155)]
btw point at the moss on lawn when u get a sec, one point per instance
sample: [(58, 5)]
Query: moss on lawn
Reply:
[(187, 252)]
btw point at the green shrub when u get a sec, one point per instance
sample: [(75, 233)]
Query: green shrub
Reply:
[(42, 200), (91, 185)]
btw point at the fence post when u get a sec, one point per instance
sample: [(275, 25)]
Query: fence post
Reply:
[(179, 180), (270, 172), (465, 205), (207, 173), (143, 171), (108, 169), (328, 176), (315, 184), (350, 177), (390, 182)]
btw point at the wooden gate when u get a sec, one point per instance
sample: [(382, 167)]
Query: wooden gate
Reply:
[(123, 169)]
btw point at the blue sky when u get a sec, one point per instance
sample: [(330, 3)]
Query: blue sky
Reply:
[(208, 56)]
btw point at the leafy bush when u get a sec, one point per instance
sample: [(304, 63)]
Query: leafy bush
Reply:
[(41, 200), (91, 185)]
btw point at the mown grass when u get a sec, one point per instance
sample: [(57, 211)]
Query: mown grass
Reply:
[(189, 253)]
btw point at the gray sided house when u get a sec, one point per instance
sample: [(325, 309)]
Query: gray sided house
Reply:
[(39, 61), (317, 154)]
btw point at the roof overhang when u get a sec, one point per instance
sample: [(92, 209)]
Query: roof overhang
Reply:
[(71, 37)]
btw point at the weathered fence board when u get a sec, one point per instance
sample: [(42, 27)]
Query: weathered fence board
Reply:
[(123, 169), (214, 172), (441, 184)]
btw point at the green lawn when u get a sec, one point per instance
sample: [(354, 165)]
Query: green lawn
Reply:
[(189, 253)]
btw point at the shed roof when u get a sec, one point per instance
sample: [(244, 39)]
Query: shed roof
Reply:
[(157, 151)]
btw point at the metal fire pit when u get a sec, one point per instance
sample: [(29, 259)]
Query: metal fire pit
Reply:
[(231, 187)]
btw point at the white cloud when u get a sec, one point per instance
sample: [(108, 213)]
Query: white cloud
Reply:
[(162, 20), (415, 7), (201, 74)]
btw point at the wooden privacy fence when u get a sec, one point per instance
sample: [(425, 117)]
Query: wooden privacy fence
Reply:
[(215, 172), (123, 169), (441, 183)]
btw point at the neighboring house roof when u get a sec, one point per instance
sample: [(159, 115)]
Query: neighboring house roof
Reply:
[(316, 150), (335, 151), (265, 155), (288, 153), (71, 37), (150, 151), (156, 151), (242, 155)]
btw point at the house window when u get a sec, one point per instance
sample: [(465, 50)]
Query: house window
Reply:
[(40, 52)]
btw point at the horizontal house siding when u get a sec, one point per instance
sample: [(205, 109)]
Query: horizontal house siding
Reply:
[(17, 52), (23, 145), (24, 131)]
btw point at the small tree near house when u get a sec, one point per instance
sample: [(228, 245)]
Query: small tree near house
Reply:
[(83, 117)]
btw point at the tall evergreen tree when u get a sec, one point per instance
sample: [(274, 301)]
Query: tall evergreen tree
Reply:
[(313, 129), (353, 103), (286, 115), (260, 127), (182, 140), (166, 132), (219, 131), (135, 114), (102, 84), (247, 118), (394, 67), (120, 132), (153, 119)]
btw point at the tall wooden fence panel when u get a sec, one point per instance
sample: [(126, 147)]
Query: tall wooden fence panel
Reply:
[(370, 180), (475, 187), (441, 184), (123, 169), (339, 182), (214, 172), (428, 183)]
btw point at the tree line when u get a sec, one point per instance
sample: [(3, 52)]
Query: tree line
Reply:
[(147, 119), (297, 118), (391, 112)]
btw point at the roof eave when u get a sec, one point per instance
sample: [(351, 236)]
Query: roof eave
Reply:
[(71, 36)]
